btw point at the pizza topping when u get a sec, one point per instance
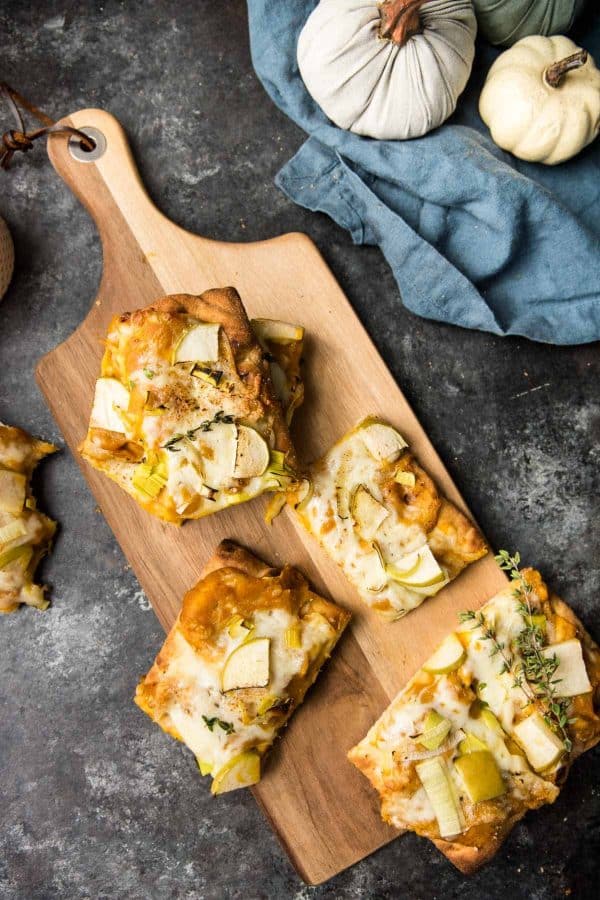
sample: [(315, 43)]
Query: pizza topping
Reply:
[(419, 570), (239, 628), (570, 676), (252, 453), (436, 730), (471, 744), (449, 656), (199, 344), (542, 746), (480, 775), (241, 771), (111, 402), (370, 569), (367, 513), (435, 778), (248, 665), (13, 490), (407, 479), (383, 442), (10, 532), (279, 332)]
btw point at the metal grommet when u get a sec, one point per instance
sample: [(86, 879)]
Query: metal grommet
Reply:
[(88, 156)]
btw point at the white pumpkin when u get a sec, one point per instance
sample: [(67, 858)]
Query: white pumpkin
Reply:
[(7, 258), (541, 99), (393, 70)]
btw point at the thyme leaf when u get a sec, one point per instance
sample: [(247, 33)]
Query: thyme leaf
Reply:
[(220, 418), (214, 720)]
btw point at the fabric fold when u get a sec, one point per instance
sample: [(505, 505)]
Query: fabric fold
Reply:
[(474, 237)]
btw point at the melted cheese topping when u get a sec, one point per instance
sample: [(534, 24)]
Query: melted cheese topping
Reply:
[(390, 750), (328, 516), (183, 692)]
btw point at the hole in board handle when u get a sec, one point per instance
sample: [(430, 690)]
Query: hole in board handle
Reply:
[(81, 153)]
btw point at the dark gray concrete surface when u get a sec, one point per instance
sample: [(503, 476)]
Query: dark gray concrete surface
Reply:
[(95, 802)]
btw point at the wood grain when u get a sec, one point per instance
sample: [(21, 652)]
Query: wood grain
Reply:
[(323, 811)]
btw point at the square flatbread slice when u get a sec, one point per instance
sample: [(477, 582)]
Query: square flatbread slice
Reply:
[(248, 643), (25, 532), (380, 517), (186, 417), (470, 745)]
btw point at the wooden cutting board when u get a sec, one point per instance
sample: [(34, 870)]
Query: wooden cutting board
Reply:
[(324, 812)]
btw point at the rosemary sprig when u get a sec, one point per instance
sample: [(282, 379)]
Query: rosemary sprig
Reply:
[(220, 418)]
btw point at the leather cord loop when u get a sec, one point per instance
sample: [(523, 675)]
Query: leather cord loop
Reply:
[(19, 139)]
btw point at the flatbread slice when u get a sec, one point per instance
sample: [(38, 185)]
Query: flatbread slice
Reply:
[(473, 742), (25, 532), (186, 417), (380, 517), (248, 643)]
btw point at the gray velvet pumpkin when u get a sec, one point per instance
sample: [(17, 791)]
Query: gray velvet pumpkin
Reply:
[(507, 21)]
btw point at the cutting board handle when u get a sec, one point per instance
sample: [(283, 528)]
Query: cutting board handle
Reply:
[(109, 186)]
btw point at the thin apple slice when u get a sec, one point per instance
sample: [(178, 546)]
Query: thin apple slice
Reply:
[(491, 721), (252, 453), (570, 677), (279, 332), (383, 442), (13, 490), (199, 344), (406, 567), (542, 746), (449, 656), (218, 449), (428, 572), (241, 771), (480, 775), (367, 512), (111, 400), (471, 744), (247, 666)]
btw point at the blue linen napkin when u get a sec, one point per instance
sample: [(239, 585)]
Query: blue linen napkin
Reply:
[(474, 236)]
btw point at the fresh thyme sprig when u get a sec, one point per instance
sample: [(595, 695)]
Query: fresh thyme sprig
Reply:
[(537, 668), (220, 418), (533, 673), (489, 634)]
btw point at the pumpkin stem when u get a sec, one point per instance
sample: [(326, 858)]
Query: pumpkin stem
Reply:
[(400, 20), (554, 74)]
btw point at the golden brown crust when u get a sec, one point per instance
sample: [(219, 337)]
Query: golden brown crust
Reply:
[(231, 555)]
